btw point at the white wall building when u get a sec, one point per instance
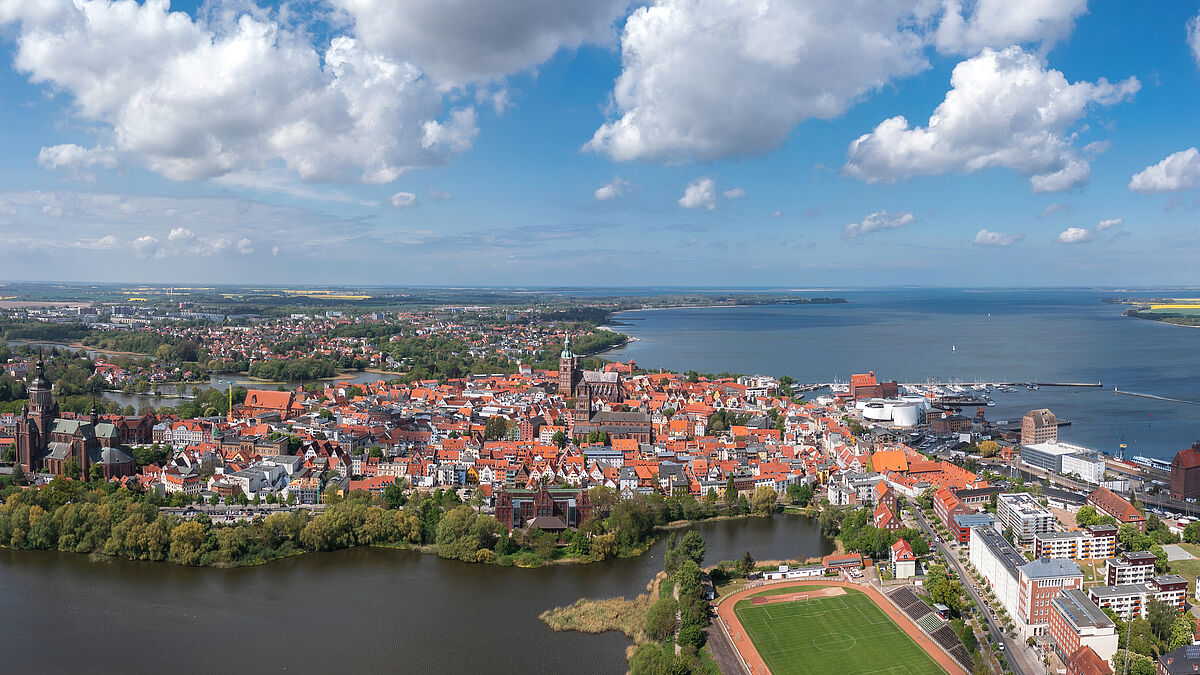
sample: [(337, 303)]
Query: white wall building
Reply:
[(1020, 512)]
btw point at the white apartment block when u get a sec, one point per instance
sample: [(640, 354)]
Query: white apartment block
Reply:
[(1020, 512)]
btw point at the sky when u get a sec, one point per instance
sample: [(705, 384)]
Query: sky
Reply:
[(801, 143)]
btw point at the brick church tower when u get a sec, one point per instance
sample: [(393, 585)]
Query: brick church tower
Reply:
[(569, 372), (34, 426)]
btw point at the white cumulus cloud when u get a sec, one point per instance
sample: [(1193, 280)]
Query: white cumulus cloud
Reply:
[(611, 189), (1178, 171), (147, 247), (735, 193), (1076, 235), (1000, 23), (706, 79), (986, 237), (1004, 109), (1193, 37), (76, 158), (402, 199), (1109, 223), (234, 89), (700, 194), (461, 41), (880, 220)]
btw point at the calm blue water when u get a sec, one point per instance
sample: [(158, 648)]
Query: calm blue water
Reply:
[(908, 335)]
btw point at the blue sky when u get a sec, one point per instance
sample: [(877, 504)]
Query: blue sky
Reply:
[(468, 142)]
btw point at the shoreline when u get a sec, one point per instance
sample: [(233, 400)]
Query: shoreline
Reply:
[(427, 549)]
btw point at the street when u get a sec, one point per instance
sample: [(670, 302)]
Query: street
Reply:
[(1016, 651)]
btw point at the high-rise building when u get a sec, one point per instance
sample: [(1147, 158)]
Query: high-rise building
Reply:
[(1039, 426)]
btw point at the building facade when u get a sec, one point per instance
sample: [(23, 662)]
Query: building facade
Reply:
[(1076, 621), (1021, 513), (1185, 473), (1039, 426)]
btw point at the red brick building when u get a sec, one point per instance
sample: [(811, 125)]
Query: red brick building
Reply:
[(1112, 504), (1185, 473), (551, 509)]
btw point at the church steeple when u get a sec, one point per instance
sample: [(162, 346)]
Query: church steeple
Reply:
[(39, 389)]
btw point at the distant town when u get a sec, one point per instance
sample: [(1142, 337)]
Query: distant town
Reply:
[(495, 435)]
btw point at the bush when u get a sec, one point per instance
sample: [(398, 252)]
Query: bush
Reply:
[(660, 619)]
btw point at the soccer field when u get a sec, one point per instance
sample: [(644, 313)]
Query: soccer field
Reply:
[(841, 634)]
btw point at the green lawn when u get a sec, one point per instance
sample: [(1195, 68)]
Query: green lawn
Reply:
[(842, 634), (1188, 569)]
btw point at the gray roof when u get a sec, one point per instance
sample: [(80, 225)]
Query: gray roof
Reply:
[(109, 456), (1119, 590), (1080, 610), (106, 430), (1182, 660), (1044, 568), (61, 426), (59, 451), (636, 417), (1000, 548)]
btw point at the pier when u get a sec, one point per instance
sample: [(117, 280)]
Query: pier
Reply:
[(1155, 397)]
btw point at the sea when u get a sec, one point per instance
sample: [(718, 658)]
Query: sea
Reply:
[(964, 335)]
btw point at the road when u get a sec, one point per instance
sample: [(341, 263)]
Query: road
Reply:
[(1017, 658)]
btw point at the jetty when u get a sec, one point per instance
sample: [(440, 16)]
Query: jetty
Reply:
[(1154, 396)]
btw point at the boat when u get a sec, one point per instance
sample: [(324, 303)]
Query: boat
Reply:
[(953, 348)]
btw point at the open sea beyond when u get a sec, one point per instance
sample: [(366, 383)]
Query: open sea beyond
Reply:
[(968, 335)]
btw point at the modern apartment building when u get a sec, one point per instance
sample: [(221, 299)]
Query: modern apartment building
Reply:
[(1095, 542), (1021, 513)]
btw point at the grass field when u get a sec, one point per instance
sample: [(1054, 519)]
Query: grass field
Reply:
[(842, 634), (1188, 569)]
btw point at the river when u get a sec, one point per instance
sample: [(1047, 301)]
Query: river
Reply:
[(347, 611), (911, 335)]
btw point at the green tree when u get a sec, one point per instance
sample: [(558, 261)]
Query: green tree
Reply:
[(1191, 533), (1161, 565), (495, 429), (559, 439), (1183, 628), (692, 547), (1132, 663), (188, 542), (72, 469), (660, 619), (747, 563), (762, 502), (1161, 616)]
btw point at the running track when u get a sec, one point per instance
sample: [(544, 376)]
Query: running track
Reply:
[(746, 649)]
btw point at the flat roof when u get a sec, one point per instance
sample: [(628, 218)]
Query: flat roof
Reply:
[(1080, 610), (1046, 568), (1000, 548), (1119, 590), (1053, 448)]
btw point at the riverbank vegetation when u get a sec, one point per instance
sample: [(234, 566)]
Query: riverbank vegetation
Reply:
[(667, 623), (99, 517)]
